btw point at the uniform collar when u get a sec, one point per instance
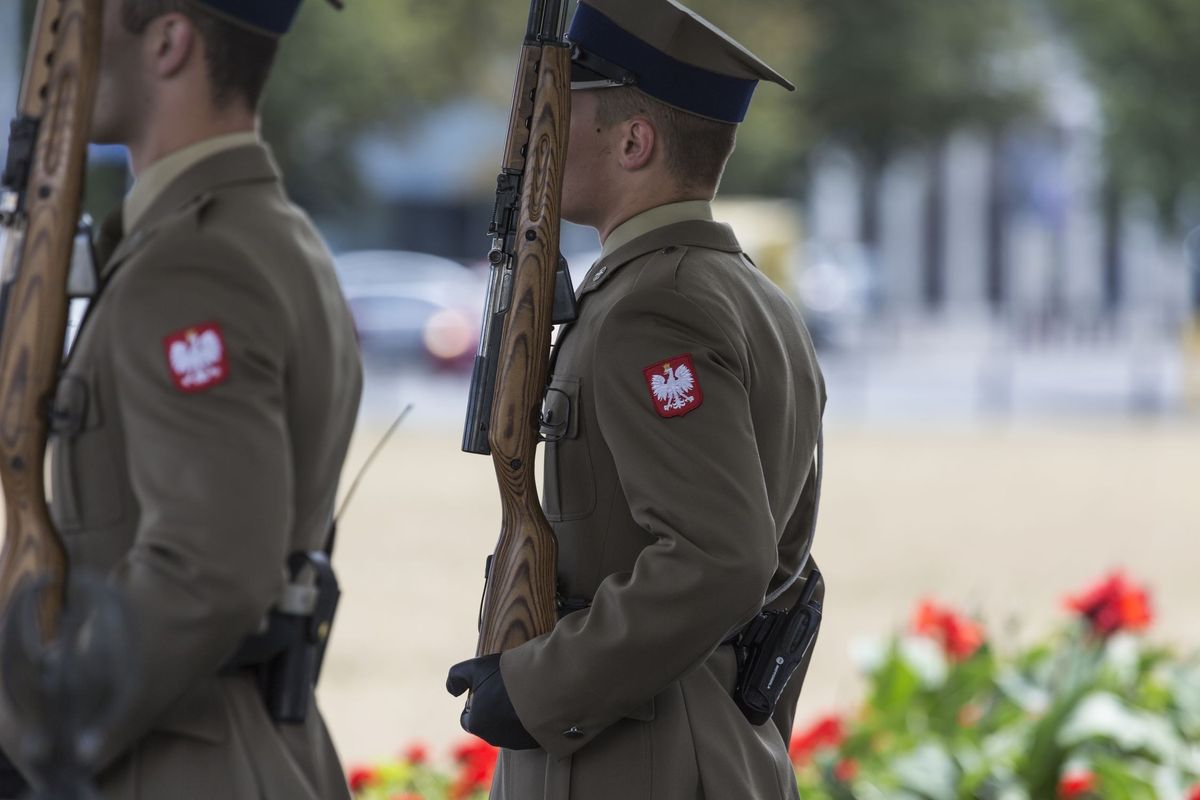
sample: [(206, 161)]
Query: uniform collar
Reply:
[(688, 233), (162, 173), (653, 219), (227, 166)]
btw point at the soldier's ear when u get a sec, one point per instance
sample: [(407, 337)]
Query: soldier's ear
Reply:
[(173, 41), (639, 140)]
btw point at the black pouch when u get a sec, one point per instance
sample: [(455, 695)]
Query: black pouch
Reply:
[(286, 658), (771, 646)]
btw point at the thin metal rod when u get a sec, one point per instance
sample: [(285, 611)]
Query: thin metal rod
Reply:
[(370, 459)]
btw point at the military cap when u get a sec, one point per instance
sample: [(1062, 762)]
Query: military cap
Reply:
[(270, 17), (667, 51)]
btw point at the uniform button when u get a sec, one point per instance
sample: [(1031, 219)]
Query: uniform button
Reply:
[(573, 732)]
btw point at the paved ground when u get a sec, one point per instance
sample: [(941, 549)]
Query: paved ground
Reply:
[(998, 519)]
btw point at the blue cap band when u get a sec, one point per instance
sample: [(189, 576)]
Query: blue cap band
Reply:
[(691, 88), (269, 16)]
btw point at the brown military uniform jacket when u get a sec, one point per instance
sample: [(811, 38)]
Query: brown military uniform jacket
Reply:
[(206, 408), (675, 512)]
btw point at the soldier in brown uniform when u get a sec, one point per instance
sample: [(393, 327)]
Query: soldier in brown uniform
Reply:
[(683, 413), (205, 408)]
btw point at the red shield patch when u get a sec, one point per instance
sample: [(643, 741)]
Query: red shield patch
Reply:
[(196, 357), (674, 386)]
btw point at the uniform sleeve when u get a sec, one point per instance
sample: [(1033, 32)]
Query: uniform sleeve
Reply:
[(694, 482), (210, 467)]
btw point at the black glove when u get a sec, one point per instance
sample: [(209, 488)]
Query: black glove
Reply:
[(489, 713), (12, 783)]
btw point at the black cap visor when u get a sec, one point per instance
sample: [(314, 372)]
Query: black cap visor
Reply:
[(589, 71)]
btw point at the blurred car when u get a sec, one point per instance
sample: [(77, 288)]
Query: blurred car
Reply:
[(413, 308)]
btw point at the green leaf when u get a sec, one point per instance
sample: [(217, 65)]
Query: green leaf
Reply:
[(966, 692), (1102, 715), (1041, 765), (928, 771), (1185, 682), (1119, 780), (895, 685)]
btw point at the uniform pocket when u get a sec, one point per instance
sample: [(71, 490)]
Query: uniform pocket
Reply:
[(569, 488), (617, 763), (85, 473)]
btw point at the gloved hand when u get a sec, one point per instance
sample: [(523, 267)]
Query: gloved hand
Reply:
[(489, 713), (12, 783)]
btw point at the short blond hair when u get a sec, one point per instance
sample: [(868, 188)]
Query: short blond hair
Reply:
[(697, 148)]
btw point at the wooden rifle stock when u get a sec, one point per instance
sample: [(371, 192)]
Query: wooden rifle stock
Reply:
[(40, 216), (519, 599)]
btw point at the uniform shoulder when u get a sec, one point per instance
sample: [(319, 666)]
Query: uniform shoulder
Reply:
[(712, 278), (187, 236), (661, 296), (192, 251)]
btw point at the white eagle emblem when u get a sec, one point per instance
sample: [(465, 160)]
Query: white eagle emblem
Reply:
[(673, 388), (197, 357)]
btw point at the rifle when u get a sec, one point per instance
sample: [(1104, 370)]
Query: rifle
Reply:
[(39, 212), (509, 376)]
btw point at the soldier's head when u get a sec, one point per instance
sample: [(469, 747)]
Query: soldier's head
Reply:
[(185, 58), (658, 93)]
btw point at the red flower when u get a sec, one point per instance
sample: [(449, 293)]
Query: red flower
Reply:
[(416, 753), (477, 764), (1194, 794), (1074, 784), (1112, 605), (406, 796), (825, 732), (959, 636), (362, 777), (846, 770)]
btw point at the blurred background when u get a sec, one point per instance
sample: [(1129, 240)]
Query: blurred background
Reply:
[(987, 209)]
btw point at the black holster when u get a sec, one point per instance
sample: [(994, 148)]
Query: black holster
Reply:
[(286, 657), (771, 647)]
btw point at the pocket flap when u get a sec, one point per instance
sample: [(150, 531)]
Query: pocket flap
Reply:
[(68, 415), (560, 409)]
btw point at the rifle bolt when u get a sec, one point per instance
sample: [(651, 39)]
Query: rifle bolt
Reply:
[(531, 235)]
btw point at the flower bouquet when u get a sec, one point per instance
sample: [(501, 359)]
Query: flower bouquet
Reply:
[(412, 777), (1094, 711)]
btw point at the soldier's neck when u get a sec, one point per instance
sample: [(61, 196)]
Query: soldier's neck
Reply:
[(629, 206), (167, 134)]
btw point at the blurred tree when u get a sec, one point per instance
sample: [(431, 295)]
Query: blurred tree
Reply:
[(892, 74), (379, 64), (1144, 58), (774, 142), (375, 67)]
